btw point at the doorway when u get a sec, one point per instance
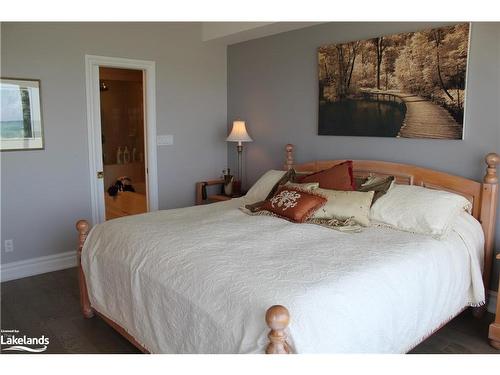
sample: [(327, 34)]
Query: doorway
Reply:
[(122, 136), (122, 141)]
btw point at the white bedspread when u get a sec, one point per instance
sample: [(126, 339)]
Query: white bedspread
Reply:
[(199, 280)]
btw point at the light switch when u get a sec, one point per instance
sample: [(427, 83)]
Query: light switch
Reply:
[(165, 140)]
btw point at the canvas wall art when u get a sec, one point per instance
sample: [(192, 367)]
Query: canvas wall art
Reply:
[(410, 85), (20, 115)]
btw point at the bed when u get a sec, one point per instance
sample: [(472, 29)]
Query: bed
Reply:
[(202, 279)]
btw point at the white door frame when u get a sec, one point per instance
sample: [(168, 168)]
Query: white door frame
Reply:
[(92, 64)]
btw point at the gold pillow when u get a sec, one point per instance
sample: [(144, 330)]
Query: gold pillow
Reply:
[(344, 205)]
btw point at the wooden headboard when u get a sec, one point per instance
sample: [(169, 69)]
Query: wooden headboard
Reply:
[(483, 195)]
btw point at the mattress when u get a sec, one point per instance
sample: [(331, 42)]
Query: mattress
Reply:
[(200, 279)]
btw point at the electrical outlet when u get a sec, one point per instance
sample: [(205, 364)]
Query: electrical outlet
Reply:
[(165, 140), (9, 246)]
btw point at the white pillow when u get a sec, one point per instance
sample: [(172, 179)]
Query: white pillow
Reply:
[(419, 210), (260, 190), (344, 205)]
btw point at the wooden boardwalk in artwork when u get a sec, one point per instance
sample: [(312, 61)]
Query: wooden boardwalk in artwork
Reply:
[(423, 119)]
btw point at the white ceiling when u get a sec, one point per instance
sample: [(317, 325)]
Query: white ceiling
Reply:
[(235, 32)]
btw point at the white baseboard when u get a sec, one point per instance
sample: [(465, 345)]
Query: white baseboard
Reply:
[(492, 301), (36, 266)]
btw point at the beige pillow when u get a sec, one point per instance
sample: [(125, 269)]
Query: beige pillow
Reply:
[(344, 205), (263, 186), (419, 210)]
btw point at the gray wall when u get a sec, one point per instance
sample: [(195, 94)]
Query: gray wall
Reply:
[(273, 85), (45, 192)]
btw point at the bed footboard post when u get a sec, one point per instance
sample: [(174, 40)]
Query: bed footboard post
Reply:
[(489, 201), (488, 219), (277, 318), (83, 230)]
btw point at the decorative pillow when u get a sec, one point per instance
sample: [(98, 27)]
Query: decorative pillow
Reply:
[(257, 206), (380, 185), (304, 186), (419, 210), (288, 176), (344, 205), (338, 177), (260, 190), (294, 204), (358, 181)]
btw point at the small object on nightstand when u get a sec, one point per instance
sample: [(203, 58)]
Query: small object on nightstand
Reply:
[(228, 182), (202, 197)]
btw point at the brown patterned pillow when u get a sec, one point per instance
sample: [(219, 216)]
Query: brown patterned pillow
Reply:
[(294, 204), (257, 206)]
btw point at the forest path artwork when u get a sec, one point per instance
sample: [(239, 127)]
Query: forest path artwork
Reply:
[(409, 85)]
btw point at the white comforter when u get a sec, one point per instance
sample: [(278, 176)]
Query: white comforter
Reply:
[(199, 280)]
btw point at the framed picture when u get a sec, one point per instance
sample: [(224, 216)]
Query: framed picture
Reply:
[(20, 115), (408, 85)]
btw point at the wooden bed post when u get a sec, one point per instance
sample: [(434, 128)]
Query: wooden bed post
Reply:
[(488, 220), (277, 318), (488, 213), (288, 157), (489, 201), (83, 228)]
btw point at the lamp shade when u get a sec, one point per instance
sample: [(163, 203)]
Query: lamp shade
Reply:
[(239, 133)]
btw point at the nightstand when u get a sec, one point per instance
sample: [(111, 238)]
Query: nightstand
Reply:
[(494, 334), (203, 198)]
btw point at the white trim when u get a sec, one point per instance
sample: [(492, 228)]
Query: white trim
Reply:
[(92, 64), (492, 301), (36, 266)]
